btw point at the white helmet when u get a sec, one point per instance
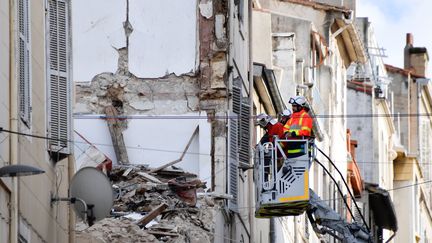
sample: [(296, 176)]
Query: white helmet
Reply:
[(263, 119), (286, 112), (298, 100)]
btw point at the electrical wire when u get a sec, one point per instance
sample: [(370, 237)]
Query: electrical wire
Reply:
[(346, 185), (225, 117), (162, 150)]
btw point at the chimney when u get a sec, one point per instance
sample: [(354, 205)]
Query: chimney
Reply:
[(408, 45), (409, 39)]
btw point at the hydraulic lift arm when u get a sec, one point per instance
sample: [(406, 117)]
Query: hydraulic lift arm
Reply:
[(333, 224)]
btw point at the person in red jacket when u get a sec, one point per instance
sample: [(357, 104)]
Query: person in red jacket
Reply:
[(285, 116), (298, 126), (271, 126)]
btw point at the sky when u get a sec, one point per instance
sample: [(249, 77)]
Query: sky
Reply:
[(392, 19)]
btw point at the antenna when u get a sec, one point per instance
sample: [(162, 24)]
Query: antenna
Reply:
[(92, 189)]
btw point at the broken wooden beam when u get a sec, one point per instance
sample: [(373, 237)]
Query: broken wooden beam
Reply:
[(162, 233), (149, 177), (116, 126), (153, 214)]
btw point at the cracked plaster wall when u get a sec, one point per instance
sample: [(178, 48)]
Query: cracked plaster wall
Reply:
[(132, 95), (202, 91), (195, 90)]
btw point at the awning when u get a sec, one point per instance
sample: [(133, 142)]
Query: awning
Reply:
[(382, 207)]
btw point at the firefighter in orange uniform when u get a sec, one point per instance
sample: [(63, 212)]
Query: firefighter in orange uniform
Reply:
[(299, 125)]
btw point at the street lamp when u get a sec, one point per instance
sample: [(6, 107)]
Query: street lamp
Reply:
[(19, 170)]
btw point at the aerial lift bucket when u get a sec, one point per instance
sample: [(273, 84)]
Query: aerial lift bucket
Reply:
[(282, 178)]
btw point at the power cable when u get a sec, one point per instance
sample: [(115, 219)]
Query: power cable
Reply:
[(346, 185), (369, 193), (339, 189), (161, 150), (225, 117)]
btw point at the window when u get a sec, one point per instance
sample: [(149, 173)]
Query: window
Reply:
[(24, 61), (58, 78)]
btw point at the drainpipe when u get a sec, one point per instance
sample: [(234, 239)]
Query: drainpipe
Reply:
[(272, 230), (13, 122), (71, 172), (251, 184)]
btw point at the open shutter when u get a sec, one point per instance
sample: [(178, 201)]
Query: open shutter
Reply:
[(24, 61), (233, 161), (59, 106), (233, 145), (244, 133)]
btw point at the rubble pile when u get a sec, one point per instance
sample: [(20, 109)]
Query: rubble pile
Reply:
[(154, 207)]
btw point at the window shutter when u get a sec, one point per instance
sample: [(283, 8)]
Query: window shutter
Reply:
[(233, 145), (233, 161), (24, 61), (244, 133), (59, 106)]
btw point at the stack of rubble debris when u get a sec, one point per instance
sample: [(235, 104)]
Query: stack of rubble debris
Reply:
[(153, 207)]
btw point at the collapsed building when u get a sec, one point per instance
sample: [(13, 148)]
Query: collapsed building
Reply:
[(152, 81), (160, 208)]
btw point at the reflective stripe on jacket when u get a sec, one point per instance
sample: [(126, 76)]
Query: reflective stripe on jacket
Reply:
[(300, 123)]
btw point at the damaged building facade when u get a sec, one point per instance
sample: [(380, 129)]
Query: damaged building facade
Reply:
[(165, 77), (156, 86), (179, 83)]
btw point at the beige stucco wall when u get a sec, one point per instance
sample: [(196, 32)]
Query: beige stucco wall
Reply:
[(4, 77), (4, 119), (261, 40), (45, 223), (403, 206)]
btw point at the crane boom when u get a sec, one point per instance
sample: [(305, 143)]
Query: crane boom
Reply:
[(330, 222)]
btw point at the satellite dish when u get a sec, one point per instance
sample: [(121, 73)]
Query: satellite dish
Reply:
[(92, 194)]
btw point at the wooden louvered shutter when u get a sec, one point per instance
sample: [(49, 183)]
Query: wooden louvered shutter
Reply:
[(233, 145), (233, 161), (24, 61), (244, 133), (59, 107)]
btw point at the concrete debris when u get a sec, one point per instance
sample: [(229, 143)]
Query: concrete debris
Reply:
[(114, 230), (186, 190), (154, 207)]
